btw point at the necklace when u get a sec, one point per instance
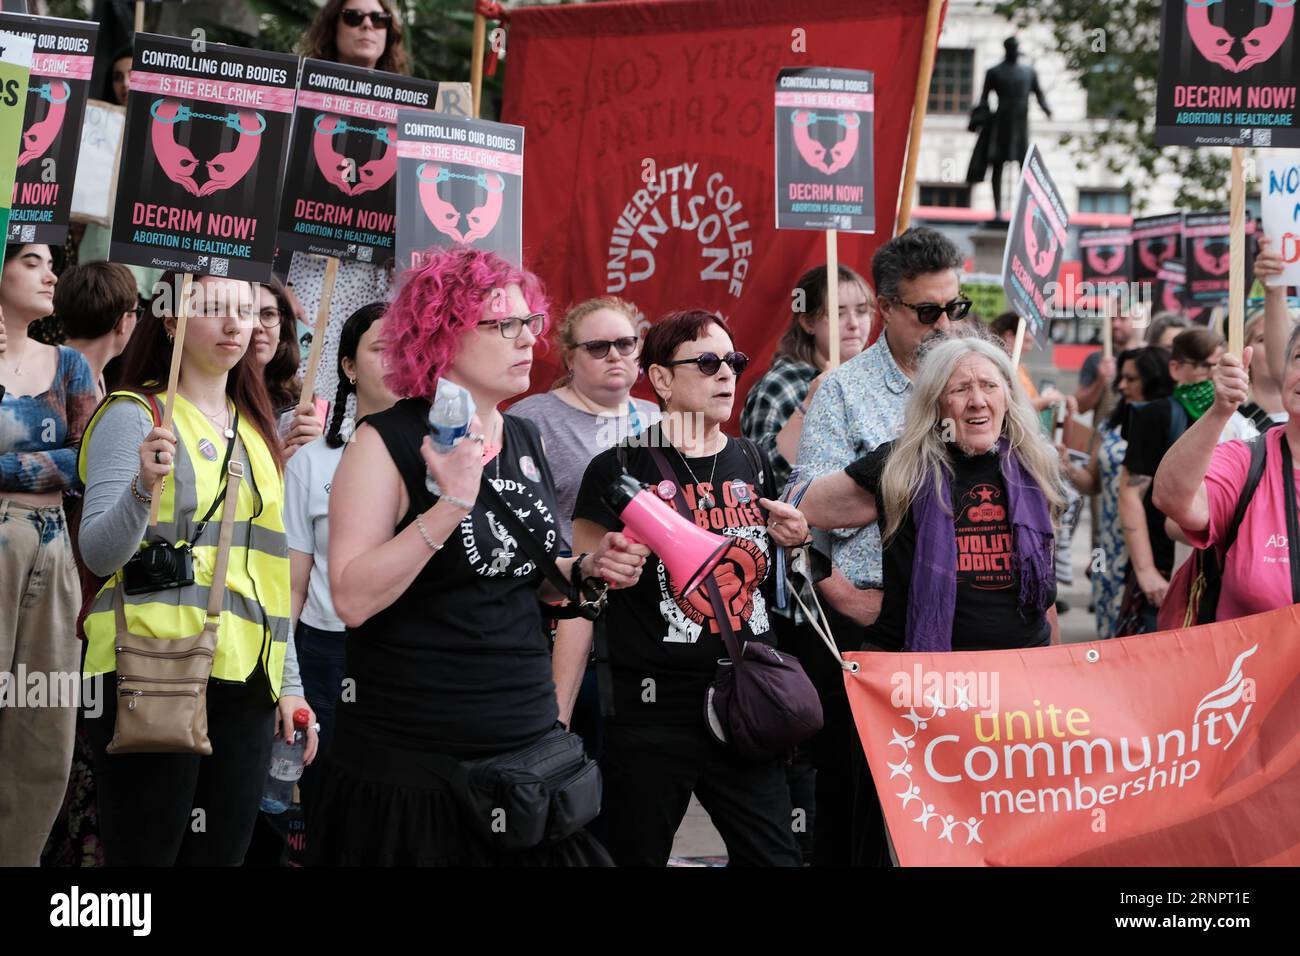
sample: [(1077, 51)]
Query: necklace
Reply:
[(706, 500), (222, 421)]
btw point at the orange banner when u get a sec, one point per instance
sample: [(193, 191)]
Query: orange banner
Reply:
[(1174, 749)]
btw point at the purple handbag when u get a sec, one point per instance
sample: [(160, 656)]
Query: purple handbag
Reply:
[(761, 704)]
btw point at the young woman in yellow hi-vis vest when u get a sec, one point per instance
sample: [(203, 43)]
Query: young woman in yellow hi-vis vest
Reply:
[(165, 809)]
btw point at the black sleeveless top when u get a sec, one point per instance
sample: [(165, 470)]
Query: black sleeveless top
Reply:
[(459, 663)]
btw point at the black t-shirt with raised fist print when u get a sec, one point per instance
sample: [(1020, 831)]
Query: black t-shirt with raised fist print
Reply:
[(664, 648), (459, 663)]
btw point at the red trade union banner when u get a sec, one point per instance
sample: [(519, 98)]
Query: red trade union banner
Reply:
[(1180, 748), (651, 152)]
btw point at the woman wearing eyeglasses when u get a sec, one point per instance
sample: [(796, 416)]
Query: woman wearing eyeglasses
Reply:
[(274, 354), (445, 648), (664, 646), (588, 410), (366, 34)]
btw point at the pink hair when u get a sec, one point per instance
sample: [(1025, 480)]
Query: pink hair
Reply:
[(438, 303)]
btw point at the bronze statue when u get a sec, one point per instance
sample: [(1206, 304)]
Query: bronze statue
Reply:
[(1004, 134)]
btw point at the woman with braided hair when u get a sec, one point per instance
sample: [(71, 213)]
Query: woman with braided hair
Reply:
[(307, 478)]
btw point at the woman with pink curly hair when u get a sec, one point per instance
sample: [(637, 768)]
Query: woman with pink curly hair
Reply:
[(447, 659)]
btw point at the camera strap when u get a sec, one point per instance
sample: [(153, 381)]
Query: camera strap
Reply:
[(234, 468), (225, 470)]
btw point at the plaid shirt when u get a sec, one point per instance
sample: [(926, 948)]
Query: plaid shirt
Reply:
[(859, 407), (770, 403)]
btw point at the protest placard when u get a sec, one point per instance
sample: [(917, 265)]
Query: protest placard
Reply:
[(15, 68), (1227, 74), (62, 61), (205, 144), (1207, 253), (1035, 246), (1107, 260), (1279, 192), (101, 149), (824, 149), (460, 182), (340, 194)]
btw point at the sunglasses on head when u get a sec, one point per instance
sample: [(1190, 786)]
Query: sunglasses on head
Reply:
[(709, 362), (599, 348), (927, 313), (354, 18)]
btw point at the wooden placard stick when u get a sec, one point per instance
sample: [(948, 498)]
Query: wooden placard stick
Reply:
[(173, 376), (308, 394), (833, 294), (1237, 254)]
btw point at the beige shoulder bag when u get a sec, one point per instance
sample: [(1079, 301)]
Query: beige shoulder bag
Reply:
[(162, 684)]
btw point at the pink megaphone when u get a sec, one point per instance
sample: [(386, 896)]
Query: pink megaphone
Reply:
[(688, 551)]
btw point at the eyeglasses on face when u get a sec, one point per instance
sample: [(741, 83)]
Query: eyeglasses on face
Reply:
[(599, 348), (927, 313), (511, 327), (354, 18), (270, 317), (709, 363)]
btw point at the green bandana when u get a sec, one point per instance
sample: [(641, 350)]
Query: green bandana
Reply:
[(1197, 398)]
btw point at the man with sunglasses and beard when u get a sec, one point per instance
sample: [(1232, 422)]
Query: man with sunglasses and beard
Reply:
[(858, 407), (663, 645)]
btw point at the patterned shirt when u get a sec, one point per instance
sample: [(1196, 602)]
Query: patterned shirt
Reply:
[(40, 434), (859, 406), (771, 402)]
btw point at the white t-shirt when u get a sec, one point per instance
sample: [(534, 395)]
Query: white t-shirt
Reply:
[(307, 481)]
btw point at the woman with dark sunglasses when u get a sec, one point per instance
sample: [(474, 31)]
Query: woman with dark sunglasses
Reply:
[(588, 410), (366, 34), (664, 646)]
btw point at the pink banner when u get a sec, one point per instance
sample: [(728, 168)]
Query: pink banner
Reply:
[(860, 102), (68, 65), (464, 155), (225, 92), (348, 106)]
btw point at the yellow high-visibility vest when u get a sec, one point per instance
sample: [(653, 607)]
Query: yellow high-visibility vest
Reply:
[(255, 613)]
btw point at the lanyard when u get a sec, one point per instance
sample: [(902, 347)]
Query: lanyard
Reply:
[(633, 419)]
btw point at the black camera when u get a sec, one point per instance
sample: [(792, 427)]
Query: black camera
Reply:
[(158, 567)]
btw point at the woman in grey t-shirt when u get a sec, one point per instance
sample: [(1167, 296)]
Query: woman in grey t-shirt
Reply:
[(588, 411)]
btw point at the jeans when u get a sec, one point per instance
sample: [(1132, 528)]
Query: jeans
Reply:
[(320, 664), (39, 599)]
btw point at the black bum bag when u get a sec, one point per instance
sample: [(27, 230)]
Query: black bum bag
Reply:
[(537, 795)]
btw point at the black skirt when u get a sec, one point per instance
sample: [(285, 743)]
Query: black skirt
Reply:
[(374, 805)]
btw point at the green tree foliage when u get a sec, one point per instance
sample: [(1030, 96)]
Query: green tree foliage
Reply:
[(1110, 47)]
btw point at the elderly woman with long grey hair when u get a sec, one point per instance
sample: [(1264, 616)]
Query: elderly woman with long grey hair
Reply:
[(965, 497)]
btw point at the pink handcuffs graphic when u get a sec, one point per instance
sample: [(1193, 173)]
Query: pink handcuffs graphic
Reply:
[(1106, 259), (1258, 46), (481, 220), (813, 152), (334, 166), (1041, 257), (38, 137), (224, 169)]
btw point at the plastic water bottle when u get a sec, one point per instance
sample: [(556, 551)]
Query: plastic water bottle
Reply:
[(449, 418), (286, 766)]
